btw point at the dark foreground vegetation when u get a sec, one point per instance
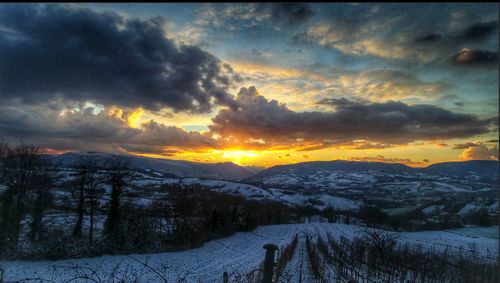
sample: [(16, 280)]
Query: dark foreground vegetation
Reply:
[(183, 216)]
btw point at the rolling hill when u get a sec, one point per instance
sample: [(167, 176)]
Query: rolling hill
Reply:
[(181, 168)]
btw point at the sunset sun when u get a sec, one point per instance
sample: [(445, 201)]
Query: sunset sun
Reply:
[(239, 156)]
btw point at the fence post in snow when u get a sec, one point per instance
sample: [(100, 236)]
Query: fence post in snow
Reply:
[(269, 263), (225, 277)]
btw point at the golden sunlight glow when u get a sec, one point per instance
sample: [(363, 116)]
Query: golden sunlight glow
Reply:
[(130, 117), (133, 117), (411, 155), (114, 112), (238, 156)]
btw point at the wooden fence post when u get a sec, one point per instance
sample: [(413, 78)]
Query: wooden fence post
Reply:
[(226, 277), (269, 263)]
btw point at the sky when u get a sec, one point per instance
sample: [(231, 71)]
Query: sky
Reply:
[(254, 84)]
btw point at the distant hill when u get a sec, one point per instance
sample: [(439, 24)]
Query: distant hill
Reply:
[(225, 170), (459, 169), (306, 168), (254, 169), (483, 169)]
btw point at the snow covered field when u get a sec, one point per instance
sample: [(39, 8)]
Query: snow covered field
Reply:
[(486, 232), (239, 253)]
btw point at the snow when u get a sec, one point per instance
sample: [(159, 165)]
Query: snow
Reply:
[(245, 190), (432, 209), (338, 202), (282, 179), (486, 232), (298, 269), (154, 181), (290, 197), (439, 240), (325, 200), (494, 206), (447, 187), (468, 208), (241, 252)]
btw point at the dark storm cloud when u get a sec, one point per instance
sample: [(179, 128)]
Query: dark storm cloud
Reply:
[(87, 130), (335, 101), (479, 31), (390, 122), (429, 39), (403, 32), (56, 51), (154, 149), (468, 57), (470, 35), (343, 24), (254, 16)]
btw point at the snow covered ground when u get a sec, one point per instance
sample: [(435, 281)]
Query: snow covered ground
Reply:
[(298, 269), (239, 253), (485, 232)]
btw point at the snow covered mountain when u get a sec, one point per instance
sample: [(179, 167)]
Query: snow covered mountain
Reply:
[(349, 171), (181, 168)]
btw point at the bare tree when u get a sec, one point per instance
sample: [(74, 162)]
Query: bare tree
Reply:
[(383, 242), (118, 175), (42, 198), (21, 167), (4, 152), (84, 169), (93, 181)]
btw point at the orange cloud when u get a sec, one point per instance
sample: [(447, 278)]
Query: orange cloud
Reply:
[(480, 152)]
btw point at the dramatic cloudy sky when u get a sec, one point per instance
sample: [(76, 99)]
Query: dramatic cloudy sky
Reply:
[(256, 84)]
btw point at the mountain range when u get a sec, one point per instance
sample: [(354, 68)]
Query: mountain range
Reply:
[(230, 171)]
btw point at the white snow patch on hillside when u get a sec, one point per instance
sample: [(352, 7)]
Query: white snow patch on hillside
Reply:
[(248, 191), (468, 208), (478, 231), (431, 209), (282, 179), (494, 206)]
